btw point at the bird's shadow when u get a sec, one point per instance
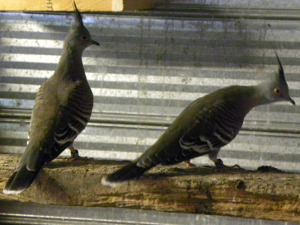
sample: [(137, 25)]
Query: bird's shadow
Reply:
[(205, 170), (64, 162), (160, 172)]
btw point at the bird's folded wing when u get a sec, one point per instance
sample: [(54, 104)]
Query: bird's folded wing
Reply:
[(72, 119), (202, 135)]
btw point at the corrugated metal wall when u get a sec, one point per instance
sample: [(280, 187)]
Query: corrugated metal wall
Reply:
[(30, 213), (151, 65)]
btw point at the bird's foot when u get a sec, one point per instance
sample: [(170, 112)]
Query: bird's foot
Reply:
[(189, 164), (221, 167), (75, 156)]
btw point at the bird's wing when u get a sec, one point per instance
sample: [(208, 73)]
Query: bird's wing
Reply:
[(181, 140), (202, 135), (72, 118), (55, 123), (42, 123)]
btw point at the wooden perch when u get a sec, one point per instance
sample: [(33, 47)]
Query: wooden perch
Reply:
[(83, 5), (253, 194)]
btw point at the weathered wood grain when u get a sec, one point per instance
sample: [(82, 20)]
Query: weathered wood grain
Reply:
[(265, 195)]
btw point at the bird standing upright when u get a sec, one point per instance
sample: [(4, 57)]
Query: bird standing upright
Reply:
[(205, 126), (62, 109)]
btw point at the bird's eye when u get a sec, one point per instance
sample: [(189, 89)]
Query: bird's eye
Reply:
[(83, 37), (277, 91)]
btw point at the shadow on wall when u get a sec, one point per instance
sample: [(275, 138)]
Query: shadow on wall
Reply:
[(170, 35)]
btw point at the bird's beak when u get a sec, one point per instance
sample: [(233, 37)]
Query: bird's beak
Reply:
[(291, 101), (94, 42)]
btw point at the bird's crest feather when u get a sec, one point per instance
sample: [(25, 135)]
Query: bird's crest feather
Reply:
[(78, 17)]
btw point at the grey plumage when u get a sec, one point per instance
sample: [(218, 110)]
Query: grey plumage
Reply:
[(205, 126), (62, 109)]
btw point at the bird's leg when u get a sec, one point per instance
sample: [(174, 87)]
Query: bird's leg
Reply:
[(189, 164), (219, 162), (75, 155)]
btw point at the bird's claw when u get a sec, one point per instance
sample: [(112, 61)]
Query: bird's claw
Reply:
[(75, 156), (78, 158), (189, 164), (236, 166), (221, 167)]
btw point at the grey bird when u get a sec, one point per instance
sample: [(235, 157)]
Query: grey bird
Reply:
[(205, 126), (62, 109)]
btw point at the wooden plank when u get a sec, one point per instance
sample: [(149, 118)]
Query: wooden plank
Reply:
[(131, 5), (260, 194), (83, 5)]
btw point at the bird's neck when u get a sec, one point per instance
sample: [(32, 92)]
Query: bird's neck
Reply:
[(247, 97), (266, 92), (258, 97), (70, 65)]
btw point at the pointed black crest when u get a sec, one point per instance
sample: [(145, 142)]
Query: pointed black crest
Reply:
[(78, 17), (280, 68)]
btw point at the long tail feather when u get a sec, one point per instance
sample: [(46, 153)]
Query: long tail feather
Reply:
[(20, 181), (128, 172)]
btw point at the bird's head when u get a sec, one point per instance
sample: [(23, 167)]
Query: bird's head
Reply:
[(79, 37), (277, 89)]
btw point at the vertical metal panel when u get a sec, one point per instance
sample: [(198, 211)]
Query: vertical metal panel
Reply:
[(153, 64)]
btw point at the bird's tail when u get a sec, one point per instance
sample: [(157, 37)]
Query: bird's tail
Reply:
[(128, 172), (20, 180)]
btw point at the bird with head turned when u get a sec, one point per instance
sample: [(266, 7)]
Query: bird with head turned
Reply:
[(205, 126), (62, 109)]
